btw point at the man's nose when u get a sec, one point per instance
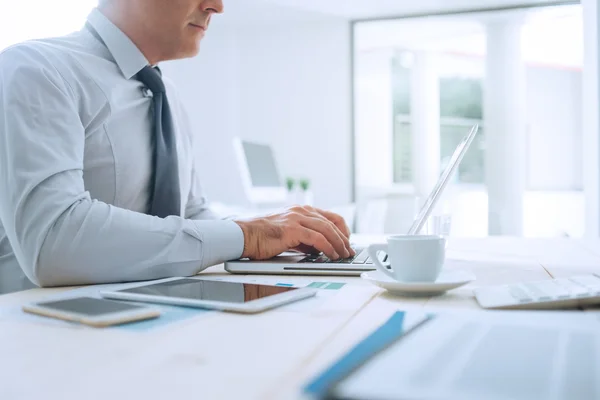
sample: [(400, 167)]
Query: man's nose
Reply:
[(212, 6)]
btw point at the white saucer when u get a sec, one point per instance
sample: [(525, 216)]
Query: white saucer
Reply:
[(448, 279)]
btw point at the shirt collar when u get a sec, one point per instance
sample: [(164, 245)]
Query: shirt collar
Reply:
[(128, 57)]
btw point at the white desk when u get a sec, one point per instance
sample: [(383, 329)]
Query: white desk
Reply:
[(229, 356)]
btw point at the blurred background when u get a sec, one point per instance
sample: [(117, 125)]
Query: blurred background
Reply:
[(357, 106)]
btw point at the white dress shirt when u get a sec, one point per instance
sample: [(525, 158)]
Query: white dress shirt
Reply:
[(76, 165)]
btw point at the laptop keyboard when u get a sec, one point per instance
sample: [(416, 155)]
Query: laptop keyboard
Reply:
[(531, 294), (564, 288), (361, 257)]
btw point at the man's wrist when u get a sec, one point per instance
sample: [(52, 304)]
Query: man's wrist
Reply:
[(245, 231), (220, 241)]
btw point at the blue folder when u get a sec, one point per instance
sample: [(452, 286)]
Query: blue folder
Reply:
[(388, 333)]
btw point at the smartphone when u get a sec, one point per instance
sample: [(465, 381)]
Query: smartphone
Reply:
[(92, 311)]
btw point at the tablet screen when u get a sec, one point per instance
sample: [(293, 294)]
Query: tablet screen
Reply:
[(197, 289)]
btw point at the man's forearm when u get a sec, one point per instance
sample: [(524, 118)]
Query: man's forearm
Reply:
[(95, 243)]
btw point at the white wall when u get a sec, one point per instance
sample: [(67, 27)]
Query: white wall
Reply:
[(555, 129), (287, 84), (591, 117), (207, 87), (295, 93), (374, 119)]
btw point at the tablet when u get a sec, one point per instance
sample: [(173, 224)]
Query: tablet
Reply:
[(213, 294)]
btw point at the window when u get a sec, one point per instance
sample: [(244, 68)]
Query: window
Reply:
[(461, 106), (413, 75), (34, 19)]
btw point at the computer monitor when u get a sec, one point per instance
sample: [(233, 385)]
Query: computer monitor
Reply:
[(260, 175)]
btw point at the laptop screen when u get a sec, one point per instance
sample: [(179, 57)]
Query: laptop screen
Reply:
[(442, 182)]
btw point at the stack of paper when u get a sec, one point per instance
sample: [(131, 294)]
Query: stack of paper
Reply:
[(496, 356)]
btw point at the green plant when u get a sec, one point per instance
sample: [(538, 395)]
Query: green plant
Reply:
[(304, 184), (289, 183)]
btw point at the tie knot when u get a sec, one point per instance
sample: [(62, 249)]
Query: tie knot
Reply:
[(151, 77)]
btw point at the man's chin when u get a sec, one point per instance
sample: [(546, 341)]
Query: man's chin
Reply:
[(196, 51), (192, 51)]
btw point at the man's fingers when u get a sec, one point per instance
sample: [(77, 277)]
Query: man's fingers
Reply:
[(306, 249), (340, 234), (336, 219), (330, 232), (315, 239), (325, 222), (339, 224)]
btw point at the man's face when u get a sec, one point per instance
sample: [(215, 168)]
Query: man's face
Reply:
[(178, 25)]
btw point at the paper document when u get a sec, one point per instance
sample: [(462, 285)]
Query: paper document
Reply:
[(326, 299), (169, 314), (492, 356), (328, 291)]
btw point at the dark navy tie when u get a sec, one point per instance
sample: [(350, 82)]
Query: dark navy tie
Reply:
[(165, 186), (165, 194)]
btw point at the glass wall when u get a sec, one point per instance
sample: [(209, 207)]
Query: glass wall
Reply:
[(421, 83), (461, 106)]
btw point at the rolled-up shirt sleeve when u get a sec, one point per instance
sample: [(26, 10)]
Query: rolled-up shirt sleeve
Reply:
[(59, 234)]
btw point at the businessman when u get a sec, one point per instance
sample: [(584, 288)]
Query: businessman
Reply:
[(98, 181)]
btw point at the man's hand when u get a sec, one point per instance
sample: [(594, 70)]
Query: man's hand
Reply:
[(306, 229)]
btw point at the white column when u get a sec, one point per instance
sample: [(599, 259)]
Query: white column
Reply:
[(591, 123), (374, 120), (505, 127), (425, 122)]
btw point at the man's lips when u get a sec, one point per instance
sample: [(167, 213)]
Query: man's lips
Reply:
[(199, 27)]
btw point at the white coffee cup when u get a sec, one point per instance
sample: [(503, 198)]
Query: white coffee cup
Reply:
[(413, 258)]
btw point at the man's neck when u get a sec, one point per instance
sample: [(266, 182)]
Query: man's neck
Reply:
[(126, 21)]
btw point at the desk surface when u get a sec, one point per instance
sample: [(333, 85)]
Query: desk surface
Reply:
[(269, 355)]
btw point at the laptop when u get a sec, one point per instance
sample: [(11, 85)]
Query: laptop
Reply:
[(294, 263)]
